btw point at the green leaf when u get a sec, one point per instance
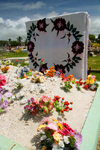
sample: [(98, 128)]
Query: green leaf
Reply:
[(72, 141), (79, 35), (78, 58), (71, 27), (68, 25), (64, 61), (37, 54), (73, 63), (76, 61), (74, 30), (77, 32), (71, 66)]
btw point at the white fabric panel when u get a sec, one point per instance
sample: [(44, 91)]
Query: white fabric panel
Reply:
[(60, 40)]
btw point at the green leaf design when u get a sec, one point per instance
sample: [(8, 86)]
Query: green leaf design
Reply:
[(71, 66), (77, 32), (73, 63), (74, 30), (76, 61), (71, 27), (78, 58), (64, 61), (37, 54), (68, 25)]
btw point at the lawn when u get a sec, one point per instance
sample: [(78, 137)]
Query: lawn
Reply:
[(94, 62), (6, 54)]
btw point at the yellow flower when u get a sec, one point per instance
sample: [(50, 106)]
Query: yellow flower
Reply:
[(57, 137), (92, 81), (60, 126), (44, 148), (54, 120), (87, 81), (89, 76), (41, 126)]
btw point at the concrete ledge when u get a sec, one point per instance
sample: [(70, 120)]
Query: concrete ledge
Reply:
[(90, 130), (7, 144)]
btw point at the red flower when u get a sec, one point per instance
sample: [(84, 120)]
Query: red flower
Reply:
[(70, 108), (17, 60), (56, 98), (2, 80), (77, 47), (62, 111), (86, 86), (66, 103), (30, 46)]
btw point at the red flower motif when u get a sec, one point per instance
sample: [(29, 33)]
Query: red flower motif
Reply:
[(77, 47), (41, 25), (30, 46)]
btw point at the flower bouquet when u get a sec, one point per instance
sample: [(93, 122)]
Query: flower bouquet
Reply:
[(55, 135), (5, 69), (90, 83), (51, 72), (38, 77), (62, 105), (42, 106)]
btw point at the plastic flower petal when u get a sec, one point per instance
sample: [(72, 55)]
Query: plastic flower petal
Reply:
[(8, 95), (57, 136), (5, 104), (41, 126), (66, 140), (52, 126)]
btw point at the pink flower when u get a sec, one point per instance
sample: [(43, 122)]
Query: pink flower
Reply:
[(52, 126), (5, 104), (2, 80)]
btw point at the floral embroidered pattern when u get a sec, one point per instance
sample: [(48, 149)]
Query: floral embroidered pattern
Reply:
[(60, 68), (30, 46), (59, 24), (77, 47), (41, 25)]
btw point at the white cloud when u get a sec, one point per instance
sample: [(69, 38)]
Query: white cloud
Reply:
[(94, 25), (14, 28), (17, 5)]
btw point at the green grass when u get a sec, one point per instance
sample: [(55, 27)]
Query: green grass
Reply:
[(97, 75), (5, 54), (94, 62)]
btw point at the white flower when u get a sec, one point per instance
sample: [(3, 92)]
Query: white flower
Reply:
[(42, 132), (61, 143), (70, 106), (55, 147), (66, 140), (43, 137)]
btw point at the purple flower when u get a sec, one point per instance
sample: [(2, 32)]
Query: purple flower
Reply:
[(8, 95), (0, 97), (78, 140), (5, 104)]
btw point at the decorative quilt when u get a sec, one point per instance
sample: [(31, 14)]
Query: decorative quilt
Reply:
[(61, 42)]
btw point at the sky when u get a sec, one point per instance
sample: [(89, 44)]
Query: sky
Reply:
[(14, 14)]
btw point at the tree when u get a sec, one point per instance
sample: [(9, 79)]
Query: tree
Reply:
[(92, 38), (19, 40), (98, 39)]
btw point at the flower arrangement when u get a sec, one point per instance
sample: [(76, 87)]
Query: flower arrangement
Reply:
[(90, 83), (62, 105), (45, 105), (5, 69), (6, 62), (2, 80), (5, 98), (56, 135), (51, 72), (38, 77), (78, 84)]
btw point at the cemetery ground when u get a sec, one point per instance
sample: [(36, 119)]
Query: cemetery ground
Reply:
[(93, 62)]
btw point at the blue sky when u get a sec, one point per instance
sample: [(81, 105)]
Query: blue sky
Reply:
[(14, 14)]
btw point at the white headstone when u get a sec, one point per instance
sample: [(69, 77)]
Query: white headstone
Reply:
[(61, 41)]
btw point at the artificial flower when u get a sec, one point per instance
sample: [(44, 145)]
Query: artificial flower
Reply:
[(41, 127), (61, 143), (57, 136), (77, 47), (52, 126), (2, 80), (66, 139)]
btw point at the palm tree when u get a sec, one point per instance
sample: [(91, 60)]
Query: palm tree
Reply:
[(19, 40)]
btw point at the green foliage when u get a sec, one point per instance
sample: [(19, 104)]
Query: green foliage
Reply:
[(67, 85), (72, 141), (92, 37)]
